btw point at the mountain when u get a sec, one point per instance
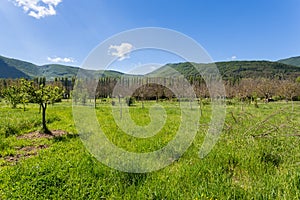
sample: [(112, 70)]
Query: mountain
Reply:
[(54, 70), (254, 69), (291, 61), (13, 68), (7, 70), (228, 70)]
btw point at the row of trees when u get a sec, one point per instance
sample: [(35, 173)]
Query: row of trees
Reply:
[(150, 88), (141, 88), (161, 88)]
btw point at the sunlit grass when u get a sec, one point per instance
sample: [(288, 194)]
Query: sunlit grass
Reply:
[(256, 157)]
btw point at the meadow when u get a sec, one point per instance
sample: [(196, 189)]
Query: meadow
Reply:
[(256, 157)]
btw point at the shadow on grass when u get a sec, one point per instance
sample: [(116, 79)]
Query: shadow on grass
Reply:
[(135, 179), (64, 138)]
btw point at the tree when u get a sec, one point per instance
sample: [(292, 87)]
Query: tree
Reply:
[(12, 95), (298, 79), (25, 88), (289, 90), (43, 96), (24, 91)]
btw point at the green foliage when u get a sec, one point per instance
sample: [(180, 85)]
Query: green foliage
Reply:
[(43, 96), (80, 93), (130, 101), (12, 95), (18, 93), (46, 94), (24, 91)]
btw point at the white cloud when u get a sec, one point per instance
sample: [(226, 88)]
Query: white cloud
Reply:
[(233, 57), (38, 8), (121, 51), (61, 60)]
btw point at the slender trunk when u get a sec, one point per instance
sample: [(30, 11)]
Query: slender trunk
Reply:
[(255, 103), (242, 104), (44, 125), (200, 103), (120, 107), (292, 104)]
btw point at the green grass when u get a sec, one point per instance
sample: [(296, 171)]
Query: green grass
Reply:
[(256, 157)]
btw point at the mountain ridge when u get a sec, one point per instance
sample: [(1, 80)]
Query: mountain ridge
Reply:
[(284, 68), (233, 69), (291, 61), (15, 68)]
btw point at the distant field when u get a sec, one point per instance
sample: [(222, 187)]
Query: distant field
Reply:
[(256, 157)]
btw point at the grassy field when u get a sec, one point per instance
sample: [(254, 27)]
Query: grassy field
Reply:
[(256, 157)]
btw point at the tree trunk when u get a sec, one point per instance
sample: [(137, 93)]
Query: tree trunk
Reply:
[(292, 104), (120, 103), (44, 125), (200, 104)]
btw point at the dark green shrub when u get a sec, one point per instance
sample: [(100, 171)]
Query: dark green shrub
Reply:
[(130, 101)]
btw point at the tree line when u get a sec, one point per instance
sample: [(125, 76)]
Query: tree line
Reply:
[(43, 92), (151, 88)]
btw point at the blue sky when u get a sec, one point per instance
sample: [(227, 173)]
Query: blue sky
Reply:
[(66, 31)]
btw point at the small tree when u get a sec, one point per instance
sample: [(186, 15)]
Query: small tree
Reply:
[(129, 101), (12, 95), (43, 96), (25, 89)]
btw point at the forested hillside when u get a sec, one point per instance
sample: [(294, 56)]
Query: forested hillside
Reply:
[(234, 69)]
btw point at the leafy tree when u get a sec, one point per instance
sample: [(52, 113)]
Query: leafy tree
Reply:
[(12, 95), (80, 93), (25, 89), (43, 96)]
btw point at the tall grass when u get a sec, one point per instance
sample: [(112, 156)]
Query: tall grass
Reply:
[(257, 157)]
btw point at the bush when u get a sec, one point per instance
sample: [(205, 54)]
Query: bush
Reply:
[(14, 128), (277, 98), (130, 101), (231, 102), (296, 98), (10, 130)]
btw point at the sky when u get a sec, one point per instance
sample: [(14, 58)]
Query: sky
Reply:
[(67, 31)]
